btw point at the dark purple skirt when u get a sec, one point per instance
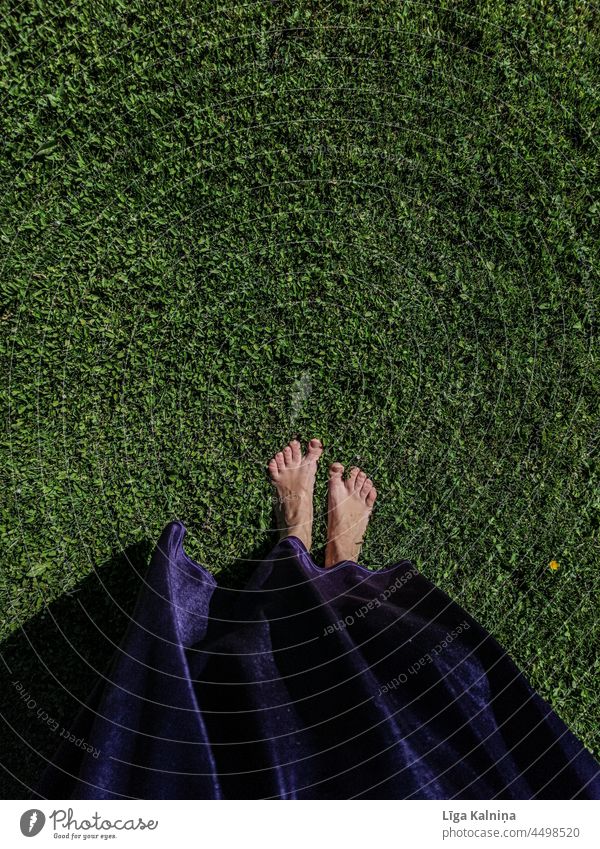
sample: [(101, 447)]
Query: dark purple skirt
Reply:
[(312, 683)]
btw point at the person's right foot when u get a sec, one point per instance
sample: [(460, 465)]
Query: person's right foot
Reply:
[(293, 476), (349, 507)]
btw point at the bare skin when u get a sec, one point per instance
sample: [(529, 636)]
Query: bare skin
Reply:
[(349, 507), (293, 476)]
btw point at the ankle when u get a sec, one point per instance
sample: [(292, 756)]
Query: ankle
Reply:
[(338, 551), (336, 554), (300, 533)]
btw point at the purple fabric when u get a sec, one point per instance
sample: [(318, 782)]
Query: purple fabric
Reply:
[(312, 683)]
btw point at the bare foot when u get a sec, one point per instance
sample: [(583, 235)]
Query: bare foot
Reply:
[(349, 507), (293, 475)]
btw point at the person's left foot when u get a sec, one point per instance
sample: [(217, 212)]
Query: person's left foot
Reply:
[(293, 476)]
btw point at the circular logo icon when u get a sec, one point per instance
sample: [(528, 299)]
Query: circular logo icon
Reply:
[(32, 822)]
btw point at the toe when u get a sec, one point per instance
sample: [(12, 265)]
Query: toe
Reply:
[(287, 455), (296, 450), (371, 497), (273, 470), (280, 460), (353, 473), (366, 488), (359, 480), (314, 450), (336, 470)]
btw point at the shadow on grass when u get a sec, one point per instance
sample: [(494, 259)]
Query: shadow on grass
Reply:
[(50, 665)]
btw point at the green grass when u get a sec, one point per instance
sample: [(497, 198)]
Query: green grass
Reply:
[(371, 222)]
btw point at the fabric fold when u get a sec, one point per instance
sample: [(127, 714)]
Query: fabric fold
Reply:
[(142, 718), (314, 683)]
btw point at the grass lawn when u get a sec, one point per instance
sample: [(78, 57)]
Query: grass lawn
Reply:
[(225, 225)]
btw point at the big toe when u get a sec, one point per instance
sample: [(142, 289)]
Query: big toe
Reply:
[(336, 470), (314, 450)]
